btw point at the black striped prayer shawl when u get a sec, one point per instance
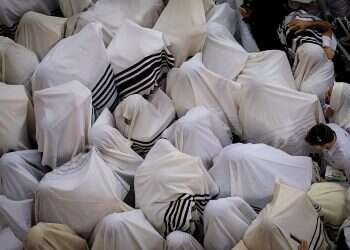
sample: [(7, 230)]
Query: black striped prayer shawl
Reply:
[(8, 31)]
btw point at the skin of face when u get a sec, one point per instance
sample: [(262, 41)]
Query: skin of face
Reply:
[(327, 146)]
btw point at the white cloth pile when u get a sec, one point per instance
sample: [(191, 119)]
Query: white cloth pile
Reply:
[(71, 7), (340, 103)]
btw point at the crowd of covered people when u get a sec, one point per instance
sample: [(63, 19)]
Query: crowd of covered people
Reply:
[(174, 125)]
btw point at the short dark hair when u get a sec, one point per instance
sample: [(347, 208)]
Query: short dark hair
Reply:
[(320, 134)]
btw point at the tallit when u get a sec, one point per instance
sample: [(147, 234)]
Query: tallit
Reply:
[(249, 171), (39, 32), (278, 116), (169, 179), (139, 59), (201, 132), (16, 117), (179, 240), (72, 7), (340, 103), (183, 23), (142, 122), (128, 230), (17, 63), (63, 120), (194, 85), (80, 193)]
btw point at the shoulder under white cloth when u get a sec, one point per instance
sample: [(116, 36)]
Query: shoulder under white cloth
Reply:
[(168, 179), (194, 85), (278, 116), (72, 7), (80, 193), (340, 103), (114, 149), (250, 170), (184, 25), (16, 118), (128, 230), (201, 132), (63, 121), (17, 64), (112, 14), (39, 32), (179, 240), (20, 173)]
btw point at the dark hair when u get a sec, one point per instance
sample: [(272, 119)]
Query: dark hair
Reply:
[(320, 134)]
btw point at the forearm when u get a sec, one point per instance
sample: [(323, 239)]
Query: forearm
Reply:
[(324, 26)]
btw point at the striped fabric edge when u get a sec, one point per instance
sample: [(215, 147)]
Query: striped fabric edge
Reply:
[(178, 215), (8, 31), (319, 236)]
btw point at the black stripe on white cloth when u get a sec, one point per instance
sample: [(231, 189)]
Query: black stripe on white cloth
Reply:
[(318, 234), (180, 213), (8, 31)]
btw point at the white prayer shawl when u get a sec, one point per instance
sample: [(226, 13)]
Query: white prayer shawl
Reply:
[(169, 179), (201, 132), (128, 230), (114, 148), (139, 58), (194, 85), (143, 121), (112, 14), (278, 116), (16, 118), (17, 64), (72, 7), (184, 25), (9, 241), (63, 121), (75, 58), (313, 71), (20, 173), (249, 171), (80, 193), (179, 240), (290, 213), (39, 32), (340, 103), (225, 222)]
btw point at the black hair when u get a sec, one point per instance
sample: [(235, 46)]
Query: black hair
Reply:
[(320, 134)]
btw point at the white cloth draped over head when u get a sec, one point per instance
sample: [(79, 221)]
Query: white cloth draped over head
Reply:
[(114, 148), (72, 7), (139, 58), (169, 179), (201, 132), (194, 85), (63, 121), (340, 103), (184, 25), (143, 121), (313, 71), (128, 230), (80, 193), (15, 220), (16, 118), (17, 64), (39, 32), (290, 215), (112, 14), (250, 171), (179, 240), (224, 15), (278, 116), (74, 58), (225, 222), (20, 173)]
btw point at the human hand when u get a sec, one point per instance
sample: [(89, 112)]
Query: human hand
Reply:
[(303, 245), (328, 112), (329, 52), (298, 25), (245, 12)]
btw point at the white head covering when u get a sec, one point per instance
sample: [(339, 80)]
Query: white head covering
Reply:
[(80, 193), (16, 117), (17, 64), (194, 85), (63, 120), (201, 132), (143, 121), (72, 7), (340, 103), (128, 230), (168, 179), (39, 32), (250, 171)]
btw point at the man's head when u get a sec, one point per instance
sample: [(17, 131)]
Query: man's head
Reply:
[(321, 137)]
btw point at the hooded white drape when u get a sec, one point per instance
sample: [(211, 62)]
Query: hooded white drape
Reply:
[(80, 193), (63, 120), (340, 103), (249, 171), (201, 132), (168, 179)]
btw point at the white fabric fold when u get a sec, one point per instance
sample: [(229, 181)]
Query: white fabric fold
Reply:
[(340, 103), (71, 7)]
